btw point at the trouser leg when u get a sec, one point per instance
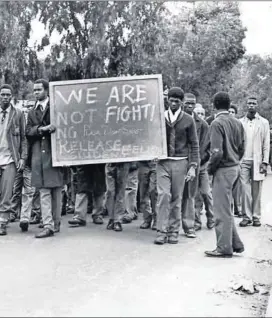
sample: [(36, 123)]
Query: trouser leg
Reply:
[(110, 194), (246, 179), (131, 193), (6, 188), (226, 233), (164, 195), (81, 206), (98, 203), (56, 204), (256, 199), (46, 208), (178, 173), (16, 200), (27, 196), (120, 189), (145, 204)]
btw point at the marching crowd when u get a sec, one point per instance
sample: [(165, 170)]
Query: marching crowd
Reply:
[(216, 164)]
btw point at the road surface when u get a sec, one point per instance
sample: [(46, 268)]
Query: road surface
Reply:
[(90, 271)]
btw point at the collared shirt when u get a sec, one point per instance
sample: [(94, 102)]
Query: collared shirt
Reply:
[(249, 130), (42, 103), (173, 117), (222, 112), (5, 153)]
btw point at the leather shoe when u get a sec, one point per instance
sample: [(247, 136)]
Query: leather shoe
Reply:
[(160, 239), (191, 233), (145, 225), (173, 238), (45, 233), (256, 223), (117, 227), (35, 220), (12, 217), (41, 226), (57, 227), (135, 217), (98, 220), (110, 224), (3, 229), (239, 250), (126, 219), (215, 253), (24, 226), (245, 223), (77, 222), (210, 224), (197, 227)]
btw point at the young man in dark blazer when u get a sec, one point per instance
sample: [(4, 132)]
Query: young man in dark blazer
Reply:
[(47, 178), (13, 151), (178, 168)]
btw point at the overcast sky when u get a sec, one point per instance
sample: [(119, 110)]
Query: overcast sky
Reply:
[(256, 17)]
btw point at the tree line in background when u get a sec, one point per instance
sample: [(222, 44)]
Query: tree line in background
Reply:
[(198, 47)]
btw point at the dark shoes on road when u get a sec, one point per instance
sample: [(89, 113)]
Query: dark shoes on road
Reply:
[(218, 254), (35, 220), (3, 229), (256, 223), (77, 222), (215, 253), (24, 226), (146, 225), (98, 220), (171, 238), (45, 233), (116, 226), (245, 223), (210, 224)]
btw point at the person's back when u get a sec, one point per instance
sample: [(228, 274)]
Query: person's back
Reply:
[(232, 134)]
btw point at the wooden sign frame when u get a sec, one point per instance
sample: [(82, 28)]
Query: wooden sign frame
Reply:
[(127, 79)]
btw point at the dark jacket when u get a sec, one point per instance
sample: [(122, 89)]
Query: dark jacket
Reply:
[(17, 142), (44, 175), (210, 119), (202, 130), (91, 178), (227, 142), (182, 138)]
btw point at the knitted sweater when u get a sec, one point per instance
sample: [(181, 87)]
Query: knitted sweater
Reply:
[(182, 140)]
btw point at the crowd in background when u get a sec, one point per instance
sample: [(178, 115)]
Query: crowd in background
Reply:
[(166, 194)]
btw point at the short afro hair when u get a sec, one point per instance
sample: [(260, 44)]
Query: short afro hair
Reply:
[(176, 92), (44, 82), (6, 86), (221, 100)]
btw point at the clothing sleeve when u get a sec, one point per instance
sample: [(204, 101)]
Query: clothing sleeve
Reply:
[(32, 132), (216, 147), (193, 141), (23, 145), (242, 147), (204, 143), (266, 143)]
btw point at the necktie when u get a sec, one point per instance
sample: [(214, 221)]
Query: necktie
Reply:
[(4, 114)]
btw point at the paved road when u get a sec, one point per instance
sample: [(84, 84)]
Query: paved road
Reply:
[(94, 272)]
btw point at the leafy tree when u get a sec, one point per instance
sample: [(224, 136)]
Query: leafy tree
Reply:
[(18, 62)]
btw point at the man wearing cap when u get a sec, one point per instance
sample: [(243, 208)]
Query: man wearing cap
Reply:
[(178, 168), (227, 149)]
